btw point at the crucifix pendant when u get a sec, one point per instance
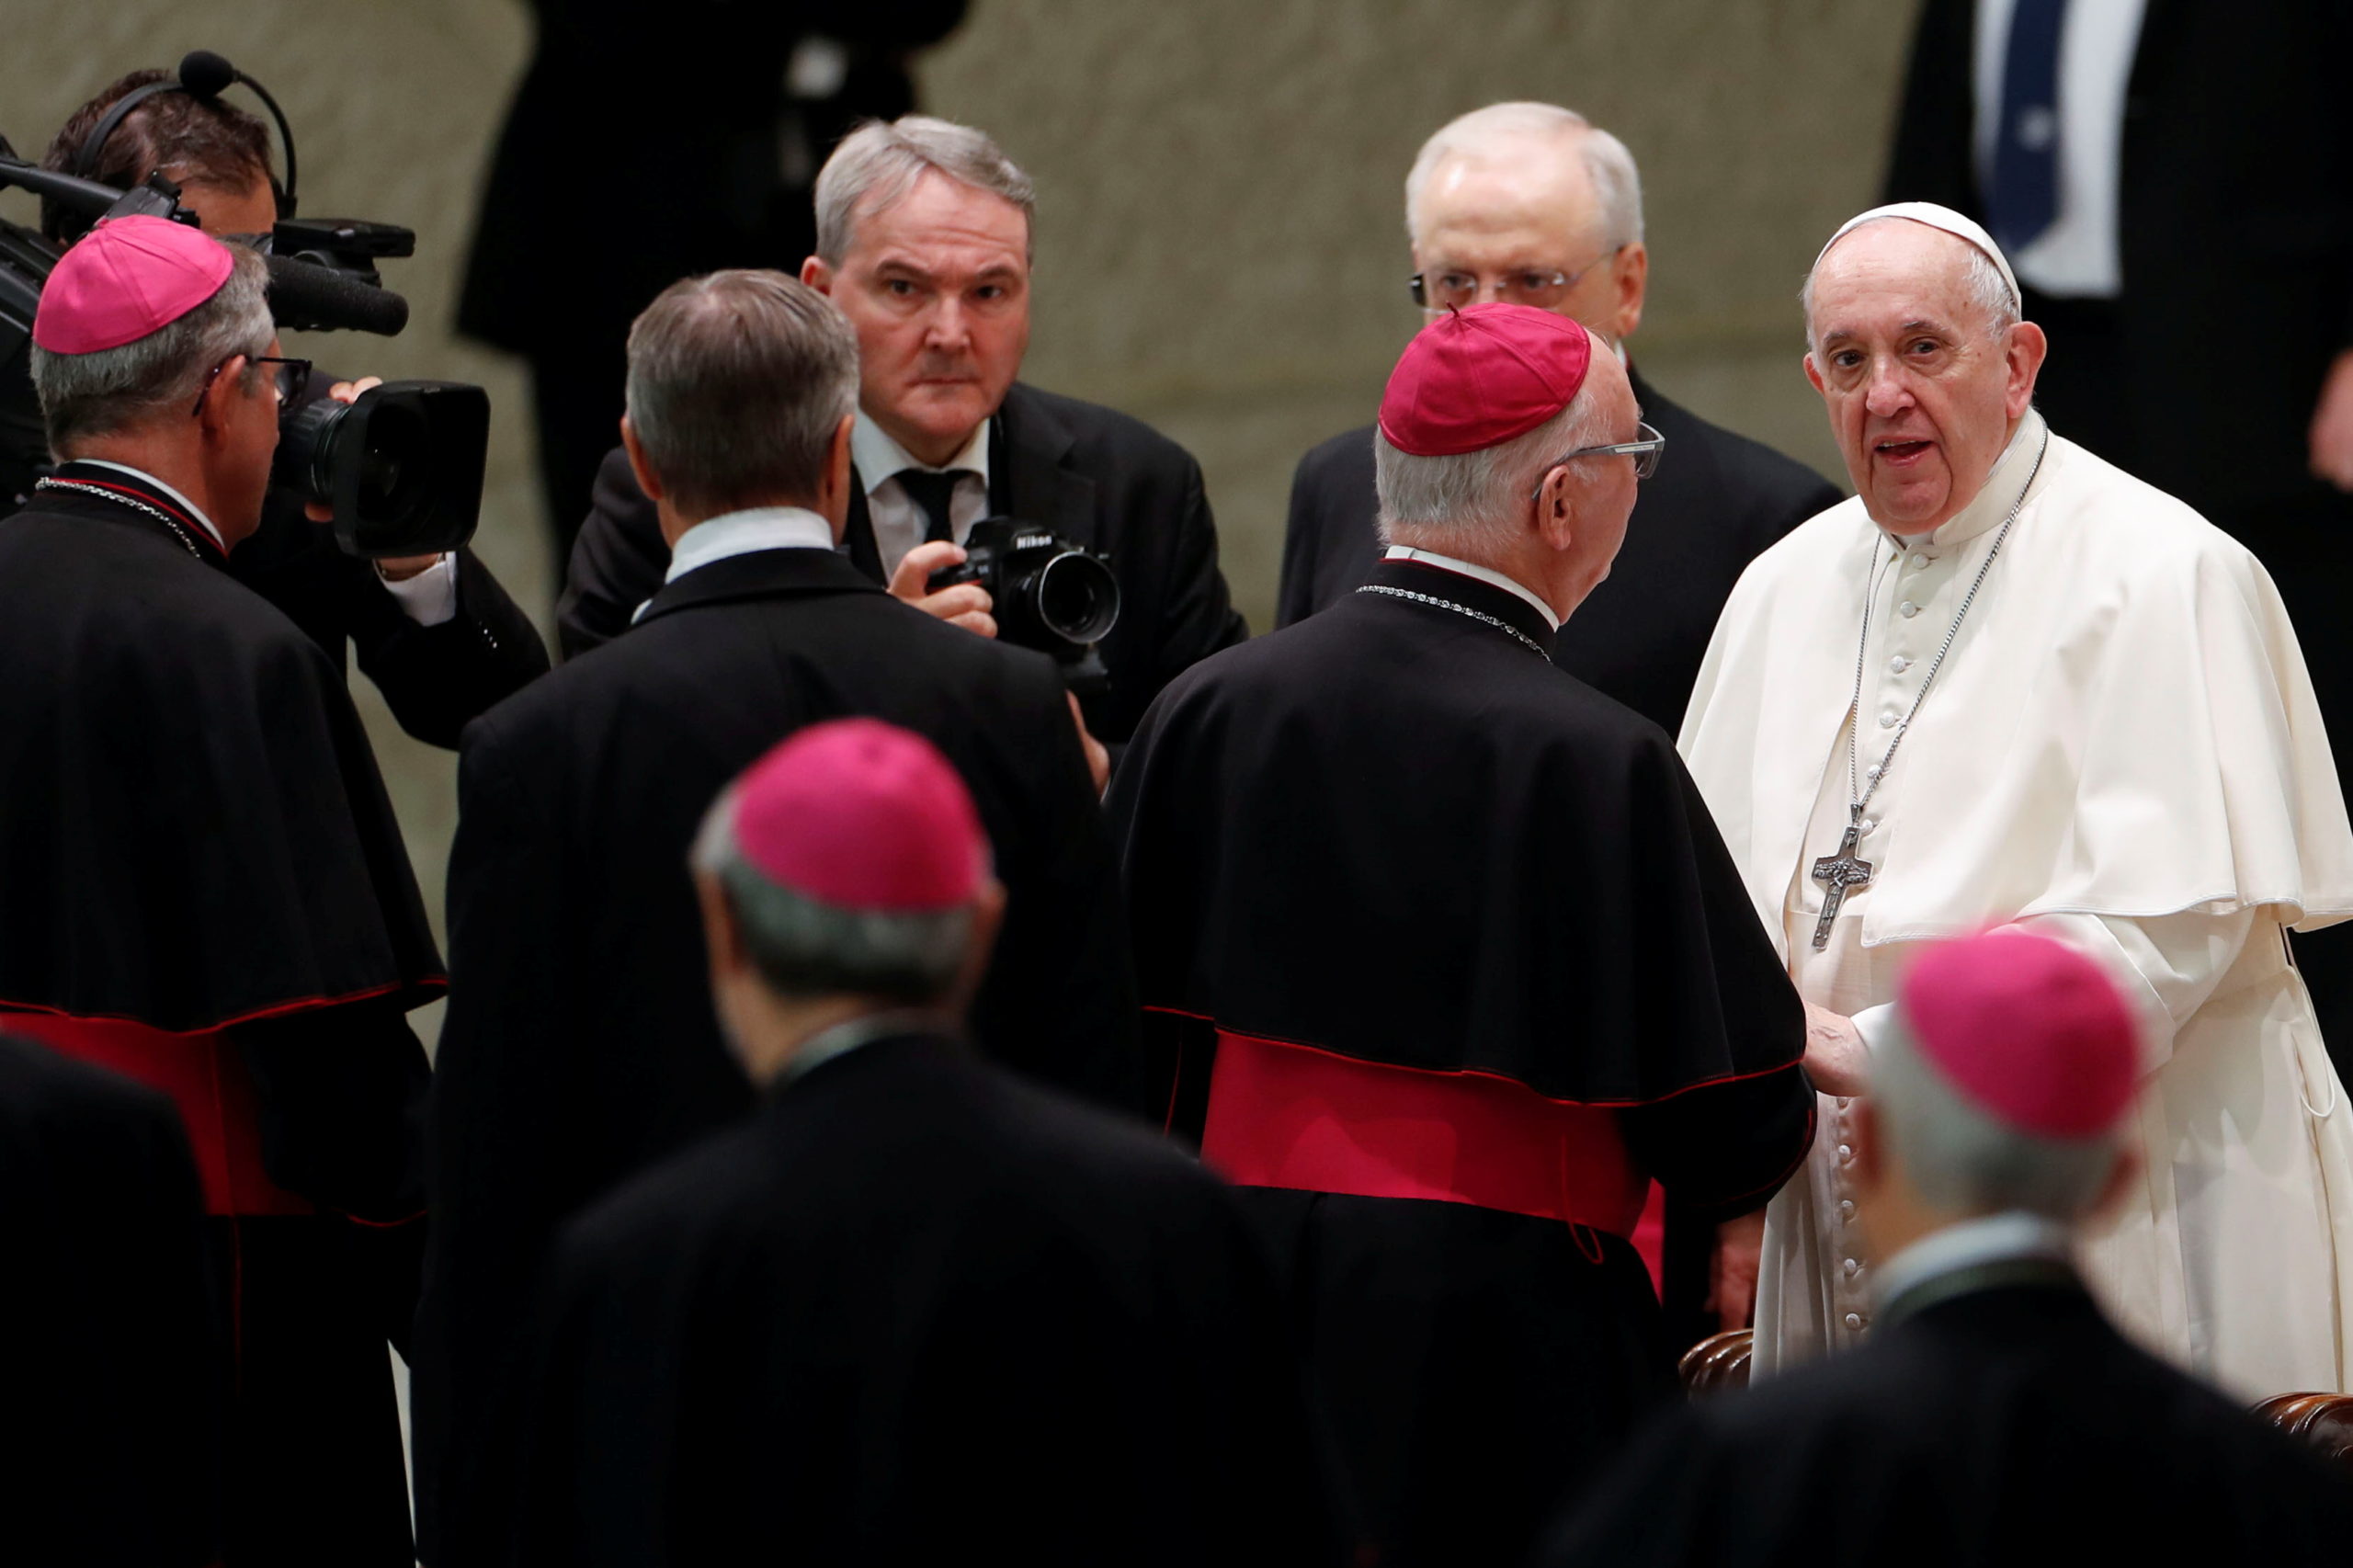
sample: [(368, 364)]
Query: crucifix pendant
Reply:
[(1837, 874)]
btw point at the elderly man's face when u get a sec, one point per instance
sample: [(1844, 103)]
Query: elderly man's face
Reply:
[(1493, 220), (1922, 397), (937, 286)]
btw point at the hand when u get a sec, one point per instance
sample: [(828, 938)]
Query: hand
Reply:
[(1835, 1057), (966, 605), (1098, 758), (2332, 431), (347, 393), (1732, 1272)]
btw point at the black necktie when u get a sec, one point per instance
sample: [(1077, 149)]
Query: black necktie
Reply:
[(931, 490), (2024, 198)]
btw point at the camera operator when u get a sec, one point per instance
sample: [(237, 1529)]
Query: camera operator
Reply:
[(924, 241), (201, 882), (437, 634)]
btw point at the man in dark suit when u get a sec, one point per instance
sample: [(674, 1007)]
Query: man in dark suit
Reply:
[(923, 240), (114, 1405), (581, 1046), (1530, 204), (437, 635), (1994, 1416), (914, 1305), (2172, 183)]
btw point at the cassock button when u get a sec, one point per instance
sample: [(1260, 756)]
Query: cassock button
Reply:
[(1868, 823), (1907, 610), (1918, 561), (1887, 721), (1845, 1208), (1846, 1152), (1898, 664), (1853, 1266), (1872, 771), (1854, 1320)]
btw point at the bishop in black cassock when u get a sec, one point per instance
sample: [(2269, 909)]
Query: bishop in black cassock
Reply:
[(1446, 960), (1994, 1416), (202, 886), (915, 1309)]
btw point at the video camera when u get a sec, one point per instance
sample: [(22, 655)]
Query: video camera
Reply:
[(401, 465), (1050, 594)]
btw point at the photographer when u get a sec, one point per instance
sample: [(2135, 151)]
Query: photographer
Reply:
[(924, 241), (437, 634), (201, 882)]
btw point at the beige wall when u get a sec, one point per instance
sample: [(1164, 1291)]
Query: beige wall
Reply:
[(1221, 240)]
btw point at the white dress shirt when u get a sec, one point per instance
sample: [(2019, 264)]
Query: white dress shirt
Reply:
[(1990, 1238), (899, 523), (2076, 257), (1488, 574), (742, 533)]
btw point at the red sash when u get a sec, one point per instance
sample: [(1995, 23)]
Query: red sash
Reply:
[(1292, 1116), (206, 1078)]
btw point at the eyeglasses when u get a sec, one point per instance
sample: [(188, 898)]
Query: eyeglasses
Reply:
[(1645, 453), (1536, 287), (288, 379)]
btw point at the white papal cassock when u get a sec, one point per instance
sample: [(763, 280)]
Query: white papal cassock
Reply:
[(2123, 750)]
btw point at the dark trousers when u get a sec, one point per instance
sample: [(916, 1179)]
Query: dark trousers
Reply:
[(2303, 537), (578, 389)]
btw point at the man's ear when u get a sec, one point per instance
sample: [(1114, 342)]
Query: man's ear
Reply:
[(832, 494), (1813, 372), (723, 936), (1555, 515), (1631, 271), (228, 385), (2024, 352), (818, 273), (647, 480)]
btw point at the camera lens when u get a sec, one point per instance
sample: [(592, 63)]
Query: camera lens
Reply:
[(393, 464), (1077, 597)]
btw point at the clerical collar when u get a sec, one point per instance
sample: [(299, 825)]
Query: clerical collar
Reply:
[(1992, 502), (2009, 1248), (880, 458), (195, 515), (1486, 575), (847, 1036)]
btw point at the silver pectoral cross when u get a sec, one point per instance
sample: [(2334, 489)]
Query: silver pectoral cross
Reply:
[(1837, 874)]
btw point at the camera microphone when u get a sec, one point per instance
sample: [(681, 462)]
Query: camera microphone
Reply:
[(306, 297), (205, 74)]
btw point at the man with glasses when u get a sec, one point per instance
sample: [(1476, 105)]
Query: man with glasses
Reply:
[(1529, 204), (1443, 962), (437, 634), (201, 882)]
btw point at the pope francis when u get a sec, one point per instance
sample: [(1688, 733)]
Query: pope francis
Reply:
[(2010, 684)]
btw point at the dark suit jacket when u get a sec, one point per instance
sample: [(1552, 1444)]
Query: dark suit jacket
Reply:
[(2008, 1426), (912, 1306), (1715, 503), (1098, 477), (2235, 217), (112, 1454), (581, 1044)]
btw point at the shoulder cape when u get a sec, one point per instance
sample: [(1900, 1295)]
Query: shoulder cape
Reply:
[(193, 832)]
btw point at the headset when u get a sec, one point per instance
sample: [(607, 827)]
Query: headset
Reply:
[(203, 75)]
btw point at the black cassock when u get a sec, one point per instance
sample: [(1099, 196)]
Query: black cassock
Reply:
[(202, 886), (581, 1046), (1445, 962), (917, 1311), (2008, 1424), (111, 1448)]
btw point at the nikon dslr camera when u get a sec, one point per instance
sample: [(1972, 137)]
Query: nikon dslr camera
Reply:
[(1051, 595)]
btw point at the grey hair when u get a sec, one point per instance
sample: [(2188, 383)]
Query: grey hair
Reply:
[(1471, 497), (736, 382), (1617, 183), (1988, 290), (1963, 1160), (803, 949), (109, 390), (878, 164)]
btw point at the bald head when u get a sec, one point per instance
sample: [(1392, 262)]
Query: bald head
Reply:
[(1517, 192)]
